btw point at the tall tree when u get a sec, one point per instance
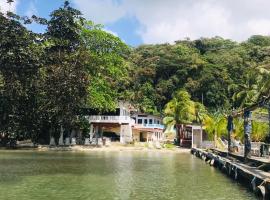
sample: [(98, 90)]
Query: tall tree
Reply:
[(106, 67), (20, 61), (65, 77)]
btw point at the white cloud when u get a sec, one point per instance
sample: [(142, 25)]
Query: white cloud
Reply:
[(4, 6), (32, 10), (260, 24), (167, 21), (101, 11)]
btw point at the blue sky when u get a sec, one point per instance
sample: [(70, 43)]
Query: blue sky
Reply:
[(124, 27), (160, 21)]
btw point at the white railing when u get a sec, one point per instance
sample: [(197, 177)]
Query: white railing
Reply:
[(159, 126), (111, 119), (154, 126)]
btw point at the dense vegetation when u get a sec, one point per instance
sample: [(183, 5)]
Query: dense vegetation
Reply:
[(212, 70), (47, 80), (220, 75)]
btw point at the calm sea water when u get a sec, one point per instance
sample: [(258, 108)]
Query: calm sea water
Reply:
[(29, 175)]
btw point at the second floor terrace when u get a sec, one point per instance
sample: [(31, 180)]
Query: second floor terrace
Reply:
[(150, 126), (110, 119)]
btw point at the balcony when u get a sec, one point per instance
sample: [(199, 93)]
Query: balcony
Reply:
[(111, 119), (153, 126)]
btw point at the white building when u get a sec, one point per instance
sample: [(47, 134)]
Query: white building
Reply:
[(147, 128), (119, 125), (119, 122)]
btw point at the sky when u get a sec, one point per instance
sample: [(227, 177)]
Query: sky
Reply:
[(163, 21)]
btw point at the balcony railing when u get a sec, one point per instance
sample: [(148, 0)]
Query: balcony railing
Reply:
[(111, 119), (159, 126)]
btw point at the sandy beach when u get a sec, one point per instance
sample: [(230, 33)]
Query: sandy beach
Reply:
[(113, 148)]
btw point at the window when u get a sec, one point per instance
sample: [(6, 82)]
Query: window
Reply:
[(150, 121), (145, 121), (157, 121), (139, 121)]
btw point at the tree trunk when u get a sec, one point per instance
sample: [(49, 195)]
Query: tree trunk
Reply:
[(268, 106), (215, 139), (247, 131), (181, 130), (230, 129), (178, 133)]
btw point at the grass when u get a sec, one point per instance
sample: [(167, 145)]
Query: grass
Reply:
[(169, 146)]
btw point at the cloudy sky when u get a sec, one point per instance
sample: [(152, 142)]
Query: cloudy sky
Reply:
[(160, 21)]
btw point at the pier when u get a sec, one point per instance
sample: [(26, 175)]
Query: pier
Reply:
[(254, 173)]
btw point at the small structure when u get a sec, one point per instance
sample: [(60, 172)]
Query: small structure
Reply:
[(190, 135), (147, 128)]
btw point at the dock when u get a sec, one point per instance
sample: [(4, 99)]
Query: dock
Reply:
[(253, 174)]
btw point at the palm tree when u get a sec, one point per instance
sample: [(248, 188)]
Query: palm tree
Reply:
[(259, 130), (200, 113), (247, 92), (182, 110), (255, 89), (265, 90), (216, 126)]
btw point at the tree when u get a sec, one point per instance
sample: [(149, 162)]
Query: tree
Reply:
[(265, 91), (179, 111), (259, 131), (216, 125), (246, 93), (106, 67), (65, 78), (20, 62)]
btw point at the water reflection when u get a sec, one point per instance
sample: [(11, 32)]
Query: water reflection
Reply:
[(112, 175)]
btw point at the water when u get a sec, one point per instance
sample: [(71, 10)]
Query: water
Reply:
[(29, 175)]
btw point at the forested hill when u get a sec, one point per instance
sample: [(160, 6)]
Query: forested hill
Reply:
[(212, 70)]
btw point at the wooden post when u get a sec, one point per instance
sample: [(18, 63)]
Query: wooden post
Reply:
[(247, 131)]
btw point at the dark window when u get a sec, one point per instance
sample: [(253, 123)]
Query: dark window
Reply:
[(139, 121), (145, 121), (150, 121)]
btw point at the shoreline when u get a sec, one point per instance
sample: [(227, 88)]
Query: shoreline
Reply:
[(112, 148)]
